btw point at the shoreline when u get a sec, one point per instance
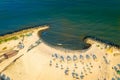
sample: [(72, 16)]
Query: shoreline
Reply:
[(26, 28), (87, 39), (18, 33), (102, 41)]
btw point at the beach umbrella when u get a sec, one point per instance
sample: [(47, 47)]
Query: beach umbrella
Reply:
[(74, 57)]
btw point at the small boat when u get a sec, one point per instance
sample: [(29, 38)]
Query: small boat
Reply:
[(59, 44)]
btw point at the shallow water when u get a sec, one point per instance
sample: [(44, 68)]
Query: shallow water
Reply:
[(70, 20)]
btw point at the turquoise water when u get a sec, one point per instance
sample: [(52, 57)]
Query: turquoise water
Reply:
[(70, 20)]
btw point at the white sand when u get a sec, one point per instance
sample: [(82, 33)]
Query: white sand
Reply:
[(34, 65)]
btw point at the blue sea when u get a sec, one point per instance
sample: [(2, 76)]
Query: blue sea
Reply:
[(70, 20)]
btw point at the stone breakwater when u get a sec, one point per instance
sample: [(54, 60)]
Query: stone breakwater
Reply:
[(92, 39)]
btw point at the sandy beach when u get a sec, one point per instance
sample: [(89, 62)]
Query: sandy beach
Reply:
[(39, 61)]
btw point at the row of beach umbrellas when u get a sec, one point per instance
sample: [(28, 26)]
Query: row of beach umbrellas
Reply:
[(74, 57)]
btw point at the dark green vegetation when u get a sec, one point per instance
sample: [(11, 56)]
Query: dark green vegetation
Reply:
[(8, 39)]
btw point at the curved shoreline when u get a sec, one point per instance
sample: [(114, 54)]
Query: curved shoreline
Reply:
[(93, 38), (59, 47), (85, 39)]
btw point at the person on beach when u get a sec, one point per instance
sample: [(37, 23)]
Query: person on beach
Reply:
[(50, 63)]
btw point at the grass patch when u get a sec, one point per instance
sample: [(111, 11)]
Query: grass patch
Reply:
[(9, 39), (98, 45)]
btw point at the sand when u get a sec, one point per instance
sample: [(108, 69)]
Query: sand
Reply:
[(38, 63)]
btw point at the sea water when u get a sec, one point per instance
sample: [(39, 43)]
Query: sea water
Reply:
[(70, 20)]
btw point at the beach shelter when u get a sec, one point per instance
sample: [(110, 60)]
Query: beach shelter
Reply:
[(20, 45), (61, 58), (115, 68), (66, 72), (87, 57), (94, 57), (56, 56), (118, 65), (68, 58), (81, 57), (74, 58)]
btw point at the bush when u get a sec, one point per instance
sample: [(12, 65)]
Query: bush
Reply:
[(4, 48)]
